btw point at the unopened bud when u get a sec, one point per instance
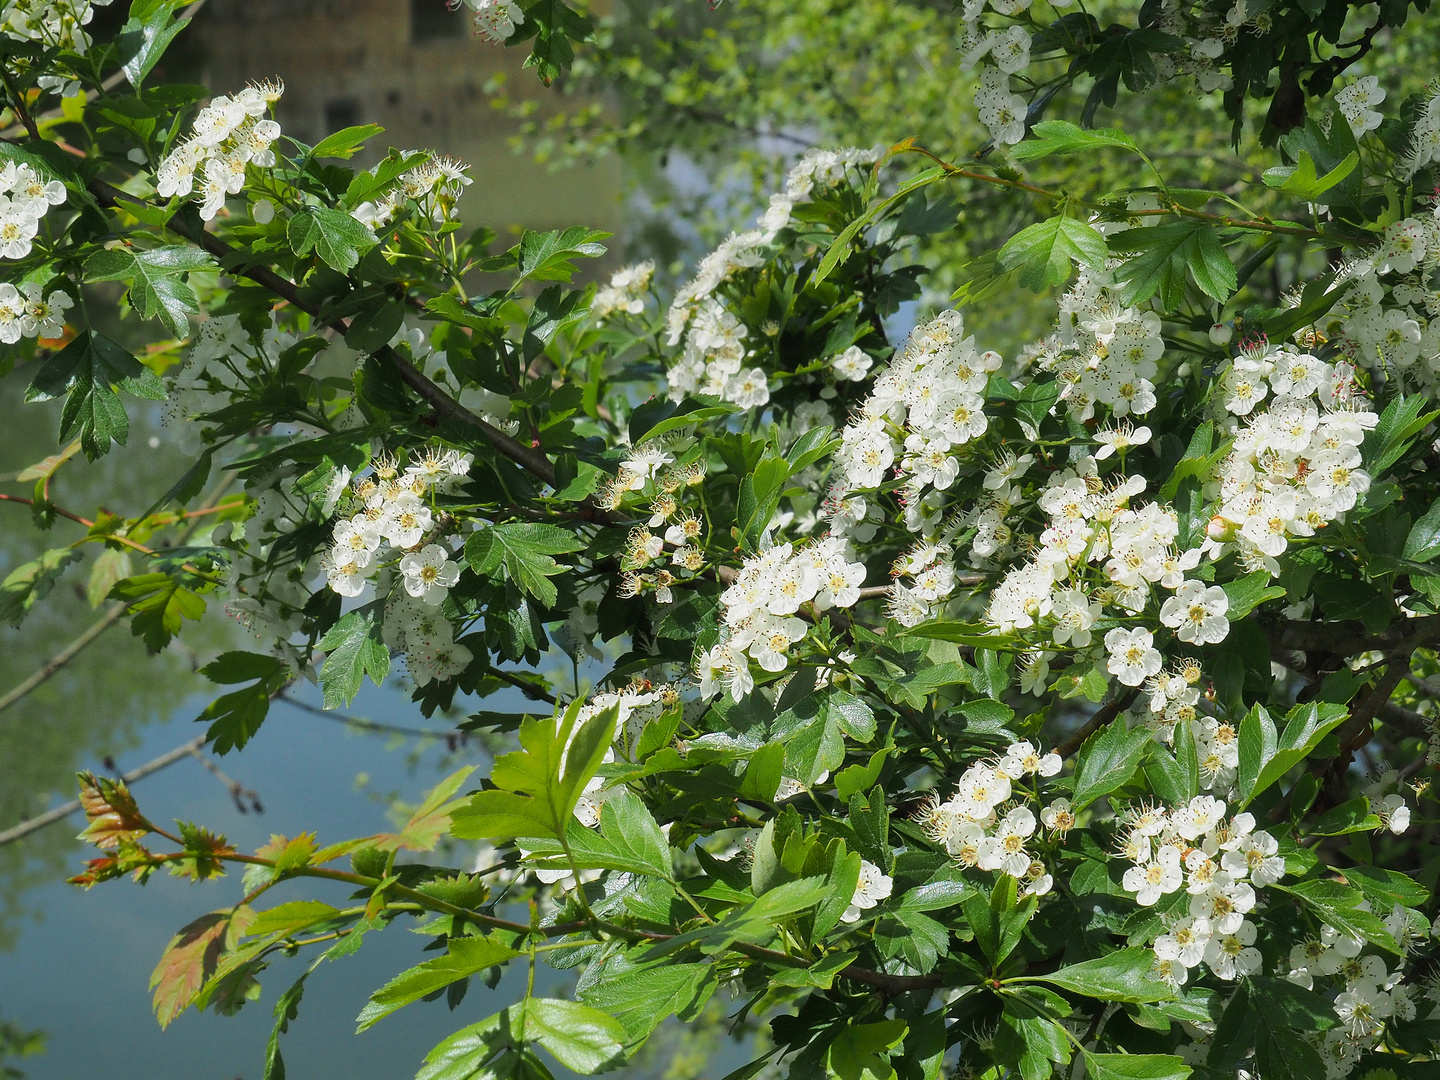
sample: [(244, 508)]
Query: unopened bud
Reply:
[(1221, 333), (1220, 530)]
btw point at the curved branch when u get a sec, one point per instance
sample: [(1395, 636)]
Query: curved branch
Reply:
[(529, 458)]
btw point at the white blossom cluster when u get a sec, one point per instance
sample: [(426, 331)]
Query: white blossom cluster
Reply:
[(817, 172), (625, 294), (435, 186), (228, 136), (1355, 102), (25, 199), (59, 24), (927, 402), (1388, 320), (1295, 465), (1173, 698), (219, 363), (494, 20), (1424, 147), (1102, 352), (981, 827), (28, 312), (997, 36), (419, 631), (672, 540), (715, 353), (393, 519), (1364, 992), (760, 609), (1220, 863)]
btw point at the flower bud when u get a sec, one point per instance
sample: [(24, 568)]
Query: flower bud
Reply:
[(1220, 530), (1221, 333)]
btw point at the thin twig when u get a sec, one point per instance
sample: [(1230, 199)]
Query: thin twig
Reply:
[(367, 725), (59, 813), (48, 669)]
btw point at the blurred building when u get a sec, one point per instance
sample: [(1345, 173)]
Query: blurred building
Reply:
[(415, 68)]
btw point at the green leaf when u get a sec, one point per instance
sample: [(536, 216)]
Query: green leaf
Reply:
[(1122, 975), (1258, 743), (1278, 1019), (999, 920), (353, 649), (157, 604), (1043, 252), (1249, 592), (1165, 253), (1174, 774), (464, 1054), (1422, 544), (235, 717), (629, 840), (1402, 420), (157, 285), (839, 249), (31, 582), (524, 550), (287, 1008), (538, 785), (1336, 904), (1305, 726), (1300, 180), (1108, 760), (465, 956), (640, 996), (1387, 887), (549, 256), (859, 1051), (1135, 1066), (336, 237), (1060, 137), (582, 1038), (143, 39), (345, 142), (91, 369), (1349, 817)]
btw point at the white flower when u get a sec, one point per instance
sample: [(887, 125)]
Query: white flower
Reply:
[(437, 662), (1232, 956), (1355, 100), (748, 389), (1394, 812), (1058, 817), (1119, 439), (872, 887), (495, 20), (1133, 659), (406, 520), (1160, 875), (1185, 941), (1005, 851), (851, 364), (1197, 613), (1363, 1010), (429, 574)]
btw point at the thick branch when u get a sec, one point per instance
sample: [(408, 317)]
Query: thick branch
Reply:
[(529, 458), (1103, 715)]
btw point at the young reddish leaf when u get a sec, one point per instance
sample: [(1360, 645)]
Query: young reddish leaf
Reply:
[(430, 820), (192, 957), (111, 811)]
